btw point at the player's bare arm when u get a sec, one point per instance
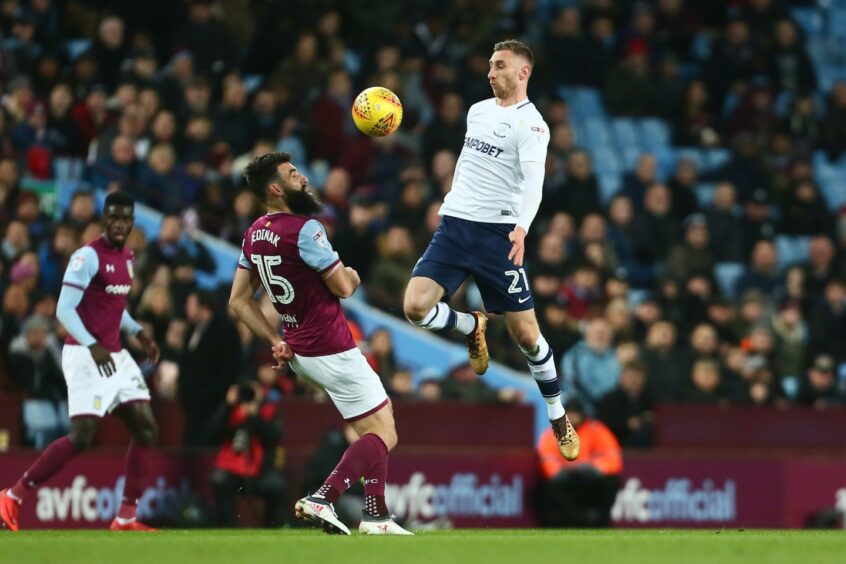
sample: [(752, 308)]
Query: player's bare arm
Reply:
[(103, 359), (342, 280), (244, 306)]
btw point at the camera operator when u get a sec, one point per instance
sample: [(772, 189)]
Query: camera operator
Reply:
[(249, 428)]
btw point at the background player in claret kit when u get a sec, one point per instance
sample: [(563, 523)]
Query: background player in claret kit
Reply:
[(101, 375), (289, 254), (496, 192)]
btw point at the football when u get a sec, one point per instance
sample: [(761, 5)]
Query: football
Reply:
[(377, 111)]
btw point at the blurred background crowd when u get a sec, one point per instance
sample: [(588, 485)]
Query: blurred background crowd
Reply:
[(691, 245)]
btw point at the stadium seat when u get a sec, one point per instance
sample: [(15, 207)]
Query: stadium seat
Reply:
[(791, 250), (833, 189), (715, 158), (629, 156), (624, 132), (590, 102), (837, 22), (597, 132), (76, 47), (693, 154), (654, 133), (727, 275), (609, 185), (605, 160), (809, 19), (704, 194)]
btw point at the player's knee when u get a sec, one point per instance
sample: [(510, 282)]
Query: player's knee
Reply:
[(526, 335), (389, 436), (415, 308), (81, 438), (148, 434)]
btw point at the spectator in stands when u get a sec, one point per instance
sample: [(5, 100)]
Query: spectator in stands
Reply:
[(666, 364), (600, 50), (248, 428), (82, 210), (628, 408), (53, 257), (791, 340), (582, 292), (790, 67), (462, 384), (820, 388), (429, 389), (380, 354), (637, 182), (805, 212), (682, 189), (705, 385), (822, 265), (763, 274), (654, 230), (579, 195), (391, 271), (694, 255), (589, 370), (827, 319), (725, 224), (172, 248), (834, 125), (16, 304), (447, 130), (209, 365), (629, 90), (758, 222), (580, 493), (35, 367), (16, 240)]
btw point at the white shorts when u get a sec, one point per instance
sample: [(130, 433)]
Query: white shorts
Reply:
[(353, 386), (90, 393)]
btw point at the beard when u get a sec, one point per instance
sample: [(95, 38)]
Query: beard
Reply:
[(302, 201)]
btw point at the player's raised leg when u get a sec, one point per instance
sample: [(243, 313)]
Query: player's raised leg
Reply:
[(523, 326), (139, 420), (423, 307), (81, 436)]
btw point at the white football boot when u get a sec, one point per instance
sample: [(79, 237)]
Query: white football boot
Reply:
[(380, 525), (321, 513)]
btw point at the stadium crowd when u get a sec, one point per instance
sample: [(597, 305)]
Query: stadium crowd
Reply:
[(169, 101)]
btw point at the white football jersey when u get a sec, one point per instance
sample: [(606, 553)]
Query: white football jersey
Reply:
[(488, 181)]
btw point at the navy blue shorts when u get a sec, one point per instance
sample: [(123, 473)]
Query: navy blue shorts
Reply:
[(460, 249)]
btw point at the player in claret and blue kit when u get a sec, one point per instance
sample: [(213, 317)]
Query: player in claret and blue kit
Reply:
[(288, 253), (101, 375)]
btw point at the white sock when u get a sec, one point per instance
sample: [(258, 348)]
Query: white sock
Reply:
[(542, 366), (443, 317)]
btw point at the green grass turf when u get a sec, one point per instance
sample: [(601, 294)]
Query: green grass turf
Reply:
[(436, 547)]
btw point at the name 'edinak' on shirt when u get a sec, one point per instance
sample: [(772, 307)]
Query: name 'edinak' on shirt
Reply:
[(265, 235), (482, 146)]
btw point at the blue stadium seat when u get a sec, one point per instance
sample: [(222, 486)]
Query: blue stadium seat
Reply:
[(727, 274), (810, 20), (704, 194), (252, 82), (624, 132), (833, 190), (605, 160), (837, 22), (590, 102), (597, 132), (666, 157), (629, 156), (654, 133), (609, 185), (715, 158), (693, 154), (791, 250), (76, 47)]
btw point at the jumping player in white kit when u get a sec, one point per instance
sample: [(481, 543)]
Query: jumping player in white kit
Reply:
[(101, 375), (289, 254), (496, 191)]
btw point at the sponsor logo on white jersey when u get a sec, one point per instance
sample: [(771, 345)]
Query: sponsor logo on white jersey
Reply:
[(118, 289)]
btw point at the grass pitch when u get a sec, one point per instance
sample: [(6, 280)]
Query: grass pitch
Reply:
[(436, 547)]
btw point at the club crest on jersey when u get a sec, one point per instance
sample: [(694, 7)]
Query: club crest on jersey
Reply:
[(78, 261), (501, 130)]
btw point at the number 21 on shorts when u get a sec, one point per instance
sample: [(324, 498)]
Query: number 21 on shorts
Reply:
[(515, 276), (270, 280)]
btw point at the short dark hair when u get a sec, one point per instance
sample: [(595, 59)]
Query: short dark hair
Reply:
[(119, 199), (262, 171), (519, 48)]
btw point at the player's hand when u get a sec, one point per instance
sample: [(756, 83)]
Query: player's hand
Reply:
[(282, 353), (518, 246), (103, 360), (353, 275), (151, 349)]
